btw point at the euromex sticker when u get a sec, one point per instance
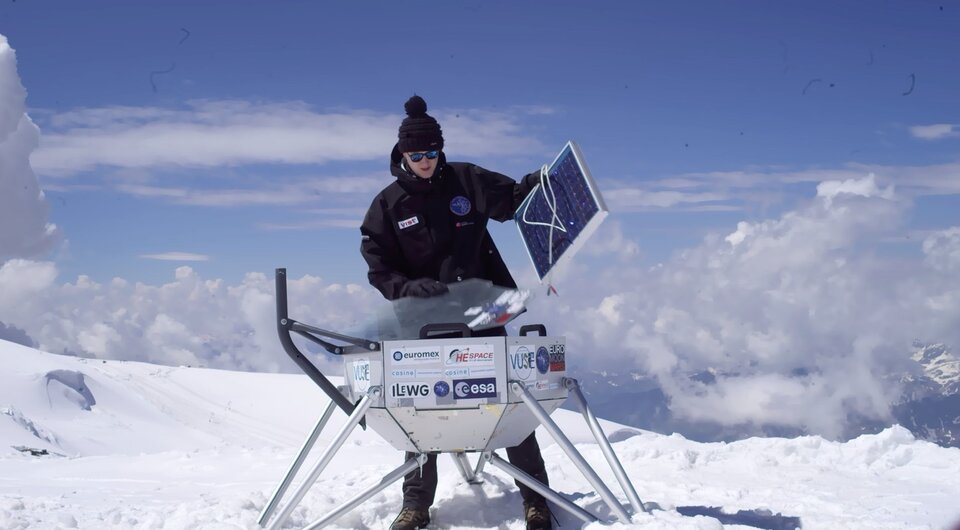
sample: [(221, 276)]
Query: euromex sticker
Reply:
[(415, 355), (522, 362), (361, 375), (468, 355)]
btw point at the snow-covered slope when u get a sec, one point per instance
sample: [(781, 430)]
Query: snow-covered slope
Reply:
[(132, 445)]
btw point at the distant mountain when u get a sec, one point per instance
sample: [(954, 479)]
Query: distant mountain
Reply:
[(940, 366), (931, 403), (929, 406)]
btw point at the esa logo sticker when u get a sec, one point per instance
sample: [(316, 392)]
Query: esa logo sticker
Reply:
[(543, 360), (460, 205), (407, 223), (441, 388), (485, 387)]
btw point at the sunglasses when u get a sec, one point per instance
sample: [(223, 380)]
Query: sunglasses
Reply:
[(416, 157)]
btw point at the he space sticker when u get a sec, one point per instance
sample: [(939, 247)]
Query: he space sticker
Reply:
[(469, 355)]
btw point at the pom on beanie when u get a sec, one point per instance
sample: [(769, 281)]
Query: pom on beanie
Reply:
[(419, 131)]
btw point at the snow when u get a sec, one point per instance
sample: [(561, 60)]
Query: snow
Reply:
[(139, 446)]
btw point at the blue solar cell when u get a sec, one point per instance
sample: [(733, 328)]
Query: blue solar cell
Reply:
[(560, 214)]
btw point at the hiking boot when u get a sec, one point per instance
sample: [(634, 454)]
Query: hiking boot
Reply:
[(537, 515), (411, 519)]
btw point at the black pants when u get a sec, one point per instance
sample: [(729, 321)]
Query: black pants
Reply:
[(419, 488)]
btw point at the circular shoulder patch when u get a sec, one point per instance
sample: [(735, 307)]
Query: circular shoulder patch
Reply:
[(460, 205)]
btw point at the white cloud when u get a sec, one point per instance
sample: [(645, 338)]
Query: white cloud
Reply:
[(632, 199), (301, 191), (758, 188), (942, 250), (208, 134), (24, 229), (189, 320), (21, 279), (867, 187), (935, 132), (801, 319), (176, 256)]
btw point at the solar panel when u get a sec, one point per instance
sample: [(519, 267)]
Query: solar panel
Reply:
[(561, 213)]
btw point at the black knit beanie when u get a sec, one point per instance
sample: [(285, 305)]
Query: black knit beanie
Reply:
[(419, 131)]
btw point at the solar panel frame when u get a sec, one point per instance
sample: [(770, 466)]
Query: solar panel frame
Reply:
[(580, 209)]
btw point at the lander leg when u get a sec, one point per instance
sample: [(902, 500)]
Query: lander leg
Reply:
[(570, 450), (345, 431), (295, 467)]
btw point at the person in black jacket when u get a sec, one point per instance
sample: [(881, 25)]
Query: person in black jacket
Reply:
[(428, 229)]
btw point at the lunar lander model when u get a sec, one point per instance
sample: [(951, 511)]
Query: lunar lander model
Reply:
[(457, 394)]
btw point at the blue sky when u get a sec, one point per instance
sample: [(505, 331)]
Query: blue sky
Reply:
[(709, 113)]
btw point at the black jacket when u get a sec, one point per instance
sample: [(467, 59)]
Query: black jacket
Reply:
[(437, 228)]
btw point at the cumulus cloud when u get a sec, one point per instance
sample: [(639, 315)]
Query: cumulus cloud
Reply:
[(190, 320), (862, 187), (24, 228), (799, 320), (942, 250)]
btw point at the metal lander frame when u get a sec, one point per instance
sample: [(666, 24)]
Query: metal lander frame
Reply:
[(455, 395)]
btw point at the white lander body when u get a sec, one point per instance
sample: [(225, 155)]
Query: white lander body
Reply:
[(453, 395)]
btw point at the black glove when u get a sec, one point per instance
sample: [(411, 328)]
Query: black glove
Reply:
[(531, 179), (423, 288)]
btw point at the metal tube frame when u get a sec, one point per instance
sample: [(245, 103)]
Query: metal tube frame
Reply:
[(327, 455), (466, 471), (574, 387), (534, 484), (356, 412), (362, 497), (295, 466), (571, 451)]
